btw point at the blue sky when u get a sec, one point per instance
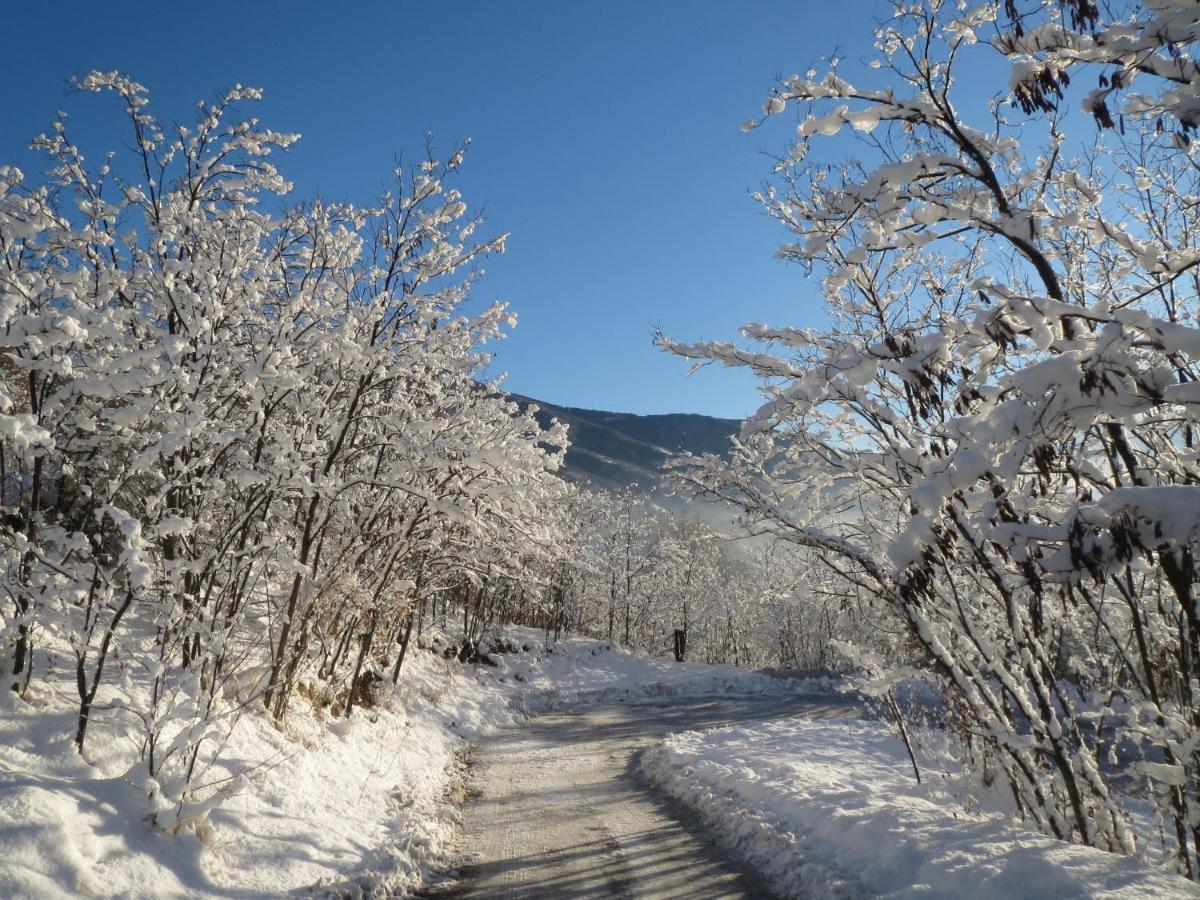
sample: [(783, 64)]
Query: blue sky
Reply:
[(606, 141)]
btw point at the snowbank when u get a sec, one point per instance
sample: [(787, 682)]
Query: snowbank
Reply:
[(830, 808), (353, 805), (346, 807)]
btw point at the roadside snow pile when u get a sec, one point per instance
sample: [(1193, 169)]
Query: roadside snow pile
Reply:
[(353, 805), (345, 807), (830, 808)]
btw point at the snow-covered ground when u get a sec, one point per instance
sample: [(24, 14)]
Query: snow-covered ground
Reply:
[(371, 804), (830, 808), (347, 805), (577, 671)]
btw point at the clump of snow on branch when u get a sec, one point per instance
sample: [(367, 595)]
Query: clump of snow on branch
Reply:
[(993, 442)]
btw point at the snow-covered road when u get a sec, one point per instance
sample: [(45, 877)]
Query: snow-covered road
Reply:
[(556, 809)]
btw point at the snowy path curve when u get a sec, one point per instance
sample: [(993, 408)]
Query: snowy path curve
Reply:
[(556, 809)]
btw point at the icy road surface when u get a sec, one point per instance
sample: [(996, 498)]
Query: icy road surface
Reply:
[(556, 808)]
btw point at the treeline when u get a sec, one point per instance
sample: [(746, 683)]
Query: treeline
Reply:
[(634, 572)]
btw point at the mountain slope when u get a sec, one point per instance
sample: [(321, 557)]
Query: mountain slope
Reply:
[(612, 450)]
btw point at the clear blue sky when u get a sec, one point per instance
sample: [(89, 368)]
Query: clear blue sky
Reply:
[(606, 140)]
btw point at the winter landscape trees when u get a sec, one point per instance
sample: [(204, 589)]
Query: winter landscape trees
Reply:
[(241, 440), (252, 457), (246, 448), (993, 440)]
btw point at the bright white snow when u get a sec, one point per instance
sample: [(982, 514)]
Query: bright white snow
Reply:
[(351, 806), (371, 804), (830, 808)]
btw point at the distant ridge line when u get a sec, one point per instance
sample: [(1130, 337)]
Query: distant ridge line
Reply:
[(614, 450)]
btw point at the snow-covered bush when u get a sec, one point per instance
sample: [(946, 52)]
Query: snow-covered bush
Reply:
[(994, 438), (240, 440)]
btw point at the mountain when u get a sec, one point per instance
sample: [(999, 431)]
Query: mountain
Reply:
[(612, 450)]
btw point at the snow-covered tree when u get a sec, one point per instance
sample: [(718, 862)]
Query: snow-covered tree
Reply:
[(241, 439), (995, 434)]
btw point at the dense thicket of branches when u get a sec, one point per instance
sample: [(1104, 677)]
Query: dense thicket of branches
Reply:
[(627, 570), (996, 435), (241, 442)]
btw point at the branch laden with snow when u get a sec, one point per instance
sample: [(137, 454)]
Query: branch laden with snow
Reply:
[(995, 436)]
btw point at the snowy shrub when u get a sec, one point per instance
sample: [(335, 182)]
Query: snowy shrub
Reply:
[(241, 439), (994, 439)]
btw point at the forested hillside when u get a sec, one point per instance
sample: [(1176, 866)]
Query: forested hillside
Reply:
[(613, 450)]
